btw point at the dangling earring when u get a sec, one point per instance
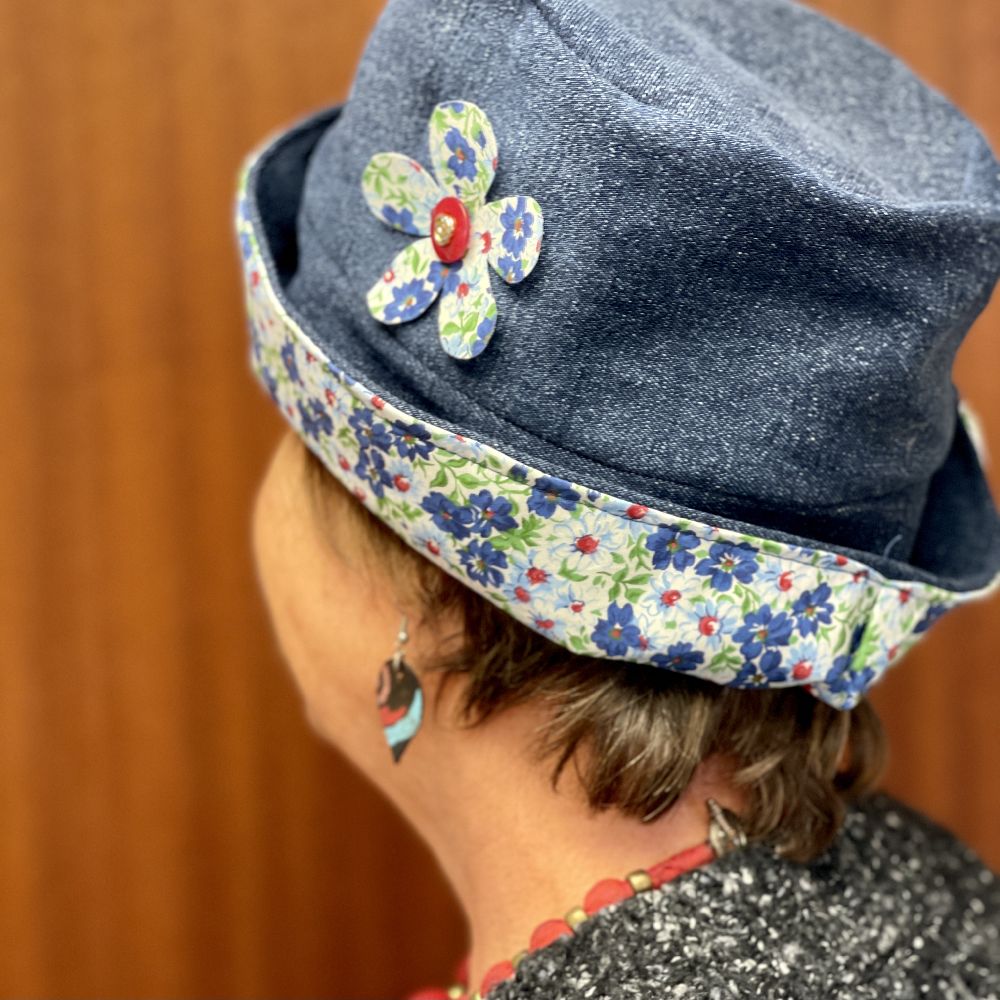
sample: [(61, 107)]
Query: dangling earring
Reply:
[(400, 698), (725, 829)]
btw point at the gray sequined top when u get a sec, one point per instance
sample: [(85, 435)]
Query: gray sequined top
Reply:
[(897, 907)]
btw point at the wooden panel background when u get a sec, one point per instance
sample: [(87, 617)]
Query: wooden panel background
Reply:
[(170, 827)]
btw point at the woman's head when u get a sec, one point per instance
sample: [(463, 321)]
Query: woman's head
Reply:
[(337, 579)]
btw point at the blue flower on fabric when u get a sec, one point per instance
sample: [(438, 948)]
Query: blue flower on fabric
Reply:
[(803, 658), (492, 513), (368, 432), (371, 468), (412, 440), (485, 327), (484, 563), (288, 357), (511, 270), (617, 633), (813, 609), (408, 301), (447, 515), (841, 679), (464, 235), (517, 220), (762, 628), (715, 620), (450, 277), (399, 219), (671, 547), (763, 674), (549, 492), (463, 159), (315, 420), (727, 561), (680, 656)]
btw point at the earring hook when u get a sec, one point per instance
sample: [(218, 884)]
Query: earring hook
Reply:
[(401, 638)]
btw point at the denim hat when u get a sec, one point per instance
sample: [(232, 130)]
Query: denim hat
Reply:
[(707, 423)]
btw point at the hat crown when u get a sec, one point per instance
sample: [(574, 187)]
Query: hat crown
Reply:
[(765, 239)]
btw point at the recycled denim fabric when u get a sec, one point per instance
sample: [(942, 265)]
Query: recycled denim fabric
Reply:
[(765, 239)]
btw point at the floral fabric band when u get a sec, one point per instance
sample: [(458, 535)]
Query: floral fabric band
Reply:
[(598, 574)]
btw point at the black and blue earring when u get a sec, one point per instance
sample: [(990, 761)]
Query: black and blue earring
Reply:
[(400, 698)]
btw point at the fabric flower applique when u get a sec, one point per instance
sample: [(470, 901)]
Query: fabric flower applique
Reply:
[(463, 234)]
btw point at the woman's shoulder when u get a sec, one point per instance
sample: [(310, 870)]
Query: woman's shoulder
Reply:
[(897, 906)]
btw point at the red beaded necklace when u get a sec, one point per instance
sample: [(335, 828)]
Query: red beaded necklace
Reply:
[(725, 834)]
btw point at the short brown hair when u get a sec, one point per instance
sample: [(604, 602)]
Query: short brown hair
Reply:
[(646, 730)]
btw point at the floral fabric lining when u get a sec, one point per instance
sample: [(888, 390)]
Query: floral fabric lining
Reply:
[(600, 575)]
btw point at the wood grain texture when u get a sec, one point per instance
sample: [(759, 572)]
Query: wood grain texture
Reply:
[(170, 826)]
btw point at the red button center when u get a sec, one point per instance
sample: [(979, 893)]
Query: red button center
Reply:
[(450, 228)]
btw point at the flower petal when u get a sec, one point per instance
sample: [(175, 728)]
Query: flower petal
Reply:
[(463, 150), (400, 192), (409, 287), (467, 315), (515, 236)]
